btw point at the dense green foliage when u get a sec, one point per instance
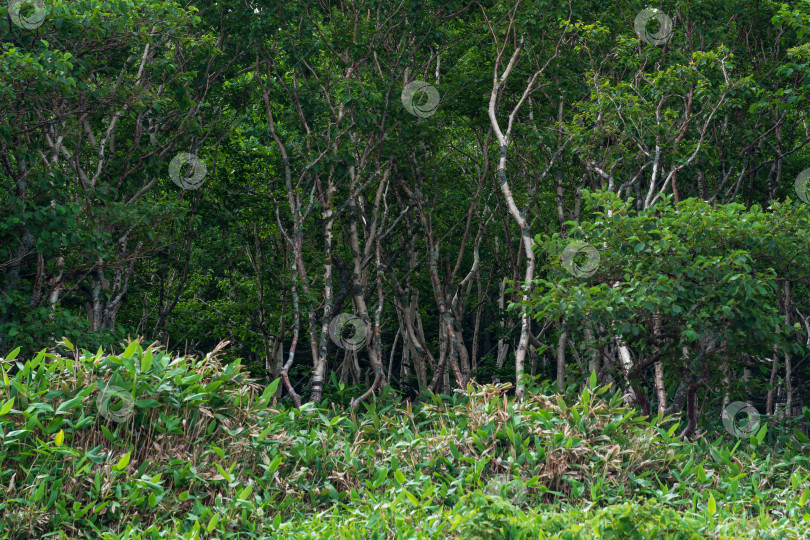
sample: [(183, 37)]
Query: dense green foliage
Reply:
[(708, 274), (305, 135), (468, 269), (206, 453)]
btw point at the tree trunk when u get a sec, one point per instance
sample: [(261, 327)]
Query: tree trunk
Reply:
[(561, 360), (503, 347), (593, 360), (319, 360), (691, 411), (660, 387), (788, 367), (726, 389)]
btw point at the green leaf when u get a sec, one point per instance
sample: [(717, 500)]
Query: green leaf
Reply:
[(585, 398), (223, 472), (123, 462), (270, 391), (399, 477), (129, 364), (274, 465), (147, 403), (146, 360), (107, 433), (592, 381), (712, 506), (212, 523), (805, 497), (6, 407), (69, 404), (130, 350), (59, 438), (13, 354), (761, 434), (410, 496), (39, 492)]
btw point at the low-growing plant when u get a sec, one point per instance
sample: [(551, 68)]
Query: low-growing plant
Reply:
[(190, 447)]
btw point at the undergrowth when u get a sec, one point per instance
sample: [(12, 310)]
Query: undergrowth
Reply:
[(202, 451)]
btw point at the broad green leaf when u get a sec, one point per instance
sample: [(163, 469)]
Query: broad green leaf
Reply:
[(130, 350), (69, 404), (6, 407), (39, 492), (147, 403), (270, 391), (212, 523), (13, 354), (107, 433), (271, 468), (146, 360), (410, 496), (123, 462), (223, 472)]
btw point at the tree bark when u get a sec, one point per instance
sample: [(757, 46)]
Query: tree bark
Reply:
[(561, 342)]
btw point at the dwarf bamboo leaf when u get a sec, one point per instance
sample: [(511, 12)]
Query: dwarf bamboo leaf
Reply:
[(130, 350), (123, 462), (712, 505), (4, 410)]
